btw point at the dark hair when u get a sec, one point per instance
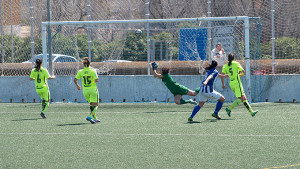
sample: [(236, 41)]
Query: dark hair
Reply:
[(38, 63), (165, 70), (86, 62), (212, 64), (230, 58), (218, 44)]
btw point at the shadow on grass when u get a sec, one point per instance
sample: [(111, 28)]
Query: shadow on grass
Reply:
[(192, 122), (27, 119), (218, 120), (207, 121), (73, 124), (153, 112)]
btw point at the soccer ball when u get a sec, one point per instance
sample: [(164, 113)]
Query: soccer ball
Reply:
[(138, 32)]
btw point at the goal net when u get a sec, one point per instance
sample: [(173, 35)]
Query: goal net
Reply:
[(184, 45), (116, 48)]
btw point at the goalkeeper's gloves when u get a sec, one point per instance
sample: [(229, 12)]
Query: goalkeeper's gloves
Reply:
[(154, 65)]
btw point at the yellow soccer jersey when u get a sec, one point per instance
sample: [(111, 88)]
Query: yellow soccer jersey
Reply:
[(233, 70), (88, 76), (40, 77)]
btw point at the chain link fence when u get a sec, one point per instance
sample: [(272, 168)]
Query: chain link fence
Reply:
[(276, 52)]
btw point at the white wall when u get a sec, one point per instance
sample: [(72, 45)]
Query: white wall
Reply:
[(147, 88)]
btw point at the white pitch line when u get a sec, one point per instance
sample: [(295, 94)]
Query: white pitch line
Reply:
[(175, 112), (151, 134)]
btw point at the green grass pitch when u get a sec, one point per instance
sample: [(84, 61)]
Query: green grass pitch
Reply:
[(149, 135)]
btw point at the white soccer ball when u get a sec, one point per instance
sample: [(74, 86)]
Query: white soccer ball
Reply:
[(138, 32)]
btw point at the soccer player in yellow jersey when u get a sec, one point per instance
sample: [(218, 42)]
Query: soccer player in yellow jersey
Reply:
[(235, 70), (40, 76), (90, 91)]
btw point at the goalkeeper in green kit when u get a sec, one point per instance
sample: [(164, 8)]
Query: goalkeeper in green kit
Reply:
[(175, 88)]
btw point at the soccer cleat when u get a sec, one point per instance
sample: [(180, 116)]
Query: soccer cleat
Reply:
[(228, 112), (216, 116), (254, 113), (97, 120), (90, 119), (193, 102), (43, 115), (190, 119)]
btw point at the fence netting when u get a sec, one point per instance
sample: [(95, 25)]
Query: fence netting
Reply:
[(20, 38)]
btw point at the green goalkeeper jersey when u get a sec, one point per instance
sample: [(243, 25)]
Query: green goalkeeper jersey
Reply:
[(40, 77), (174, 87), (88, 76), (233, 70)]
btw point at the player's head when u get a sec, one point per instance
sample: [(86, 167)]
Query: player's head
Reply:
[(219, 46), (213, 64), (86, 62), (165, 70), (38, 64), (230, 58)]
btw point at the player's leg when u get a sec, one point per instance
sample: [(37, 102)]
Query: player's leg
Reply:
[(202, 100), (220, 98), (238, 91), (182, 90), (45, 96), (196, 109), (233, 105), (87, 94), (247, 105), (197, 90), (94, 99), (192, 93), (181, 101), (178, 99)]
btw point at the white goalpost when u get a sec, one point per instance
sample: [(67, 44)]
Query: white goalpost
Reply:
[(169, 39)]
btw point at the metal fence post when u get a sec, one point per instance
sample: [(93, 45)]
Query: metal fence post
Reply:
[(148, 36), (89, 29), (247, 58), (209, 30), (32, 32), (2, 34), (273, 37), (12, 34), (49, 40)]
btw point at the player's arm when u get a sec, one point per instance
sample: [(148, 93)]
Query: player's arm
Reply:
[(76, 83), (224, 72), (31, 76), (207, 80), (96, 77), (241, 70), (47, 75), (221, 75), (52, 77), (157, 75)]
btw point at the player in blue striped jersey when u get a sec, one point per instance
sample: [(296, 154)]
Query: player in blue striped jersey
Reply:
[(207, 91)]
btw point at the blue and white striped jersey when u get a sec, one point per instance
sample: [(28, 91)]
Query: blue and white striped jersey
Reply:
[(209, 87)]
